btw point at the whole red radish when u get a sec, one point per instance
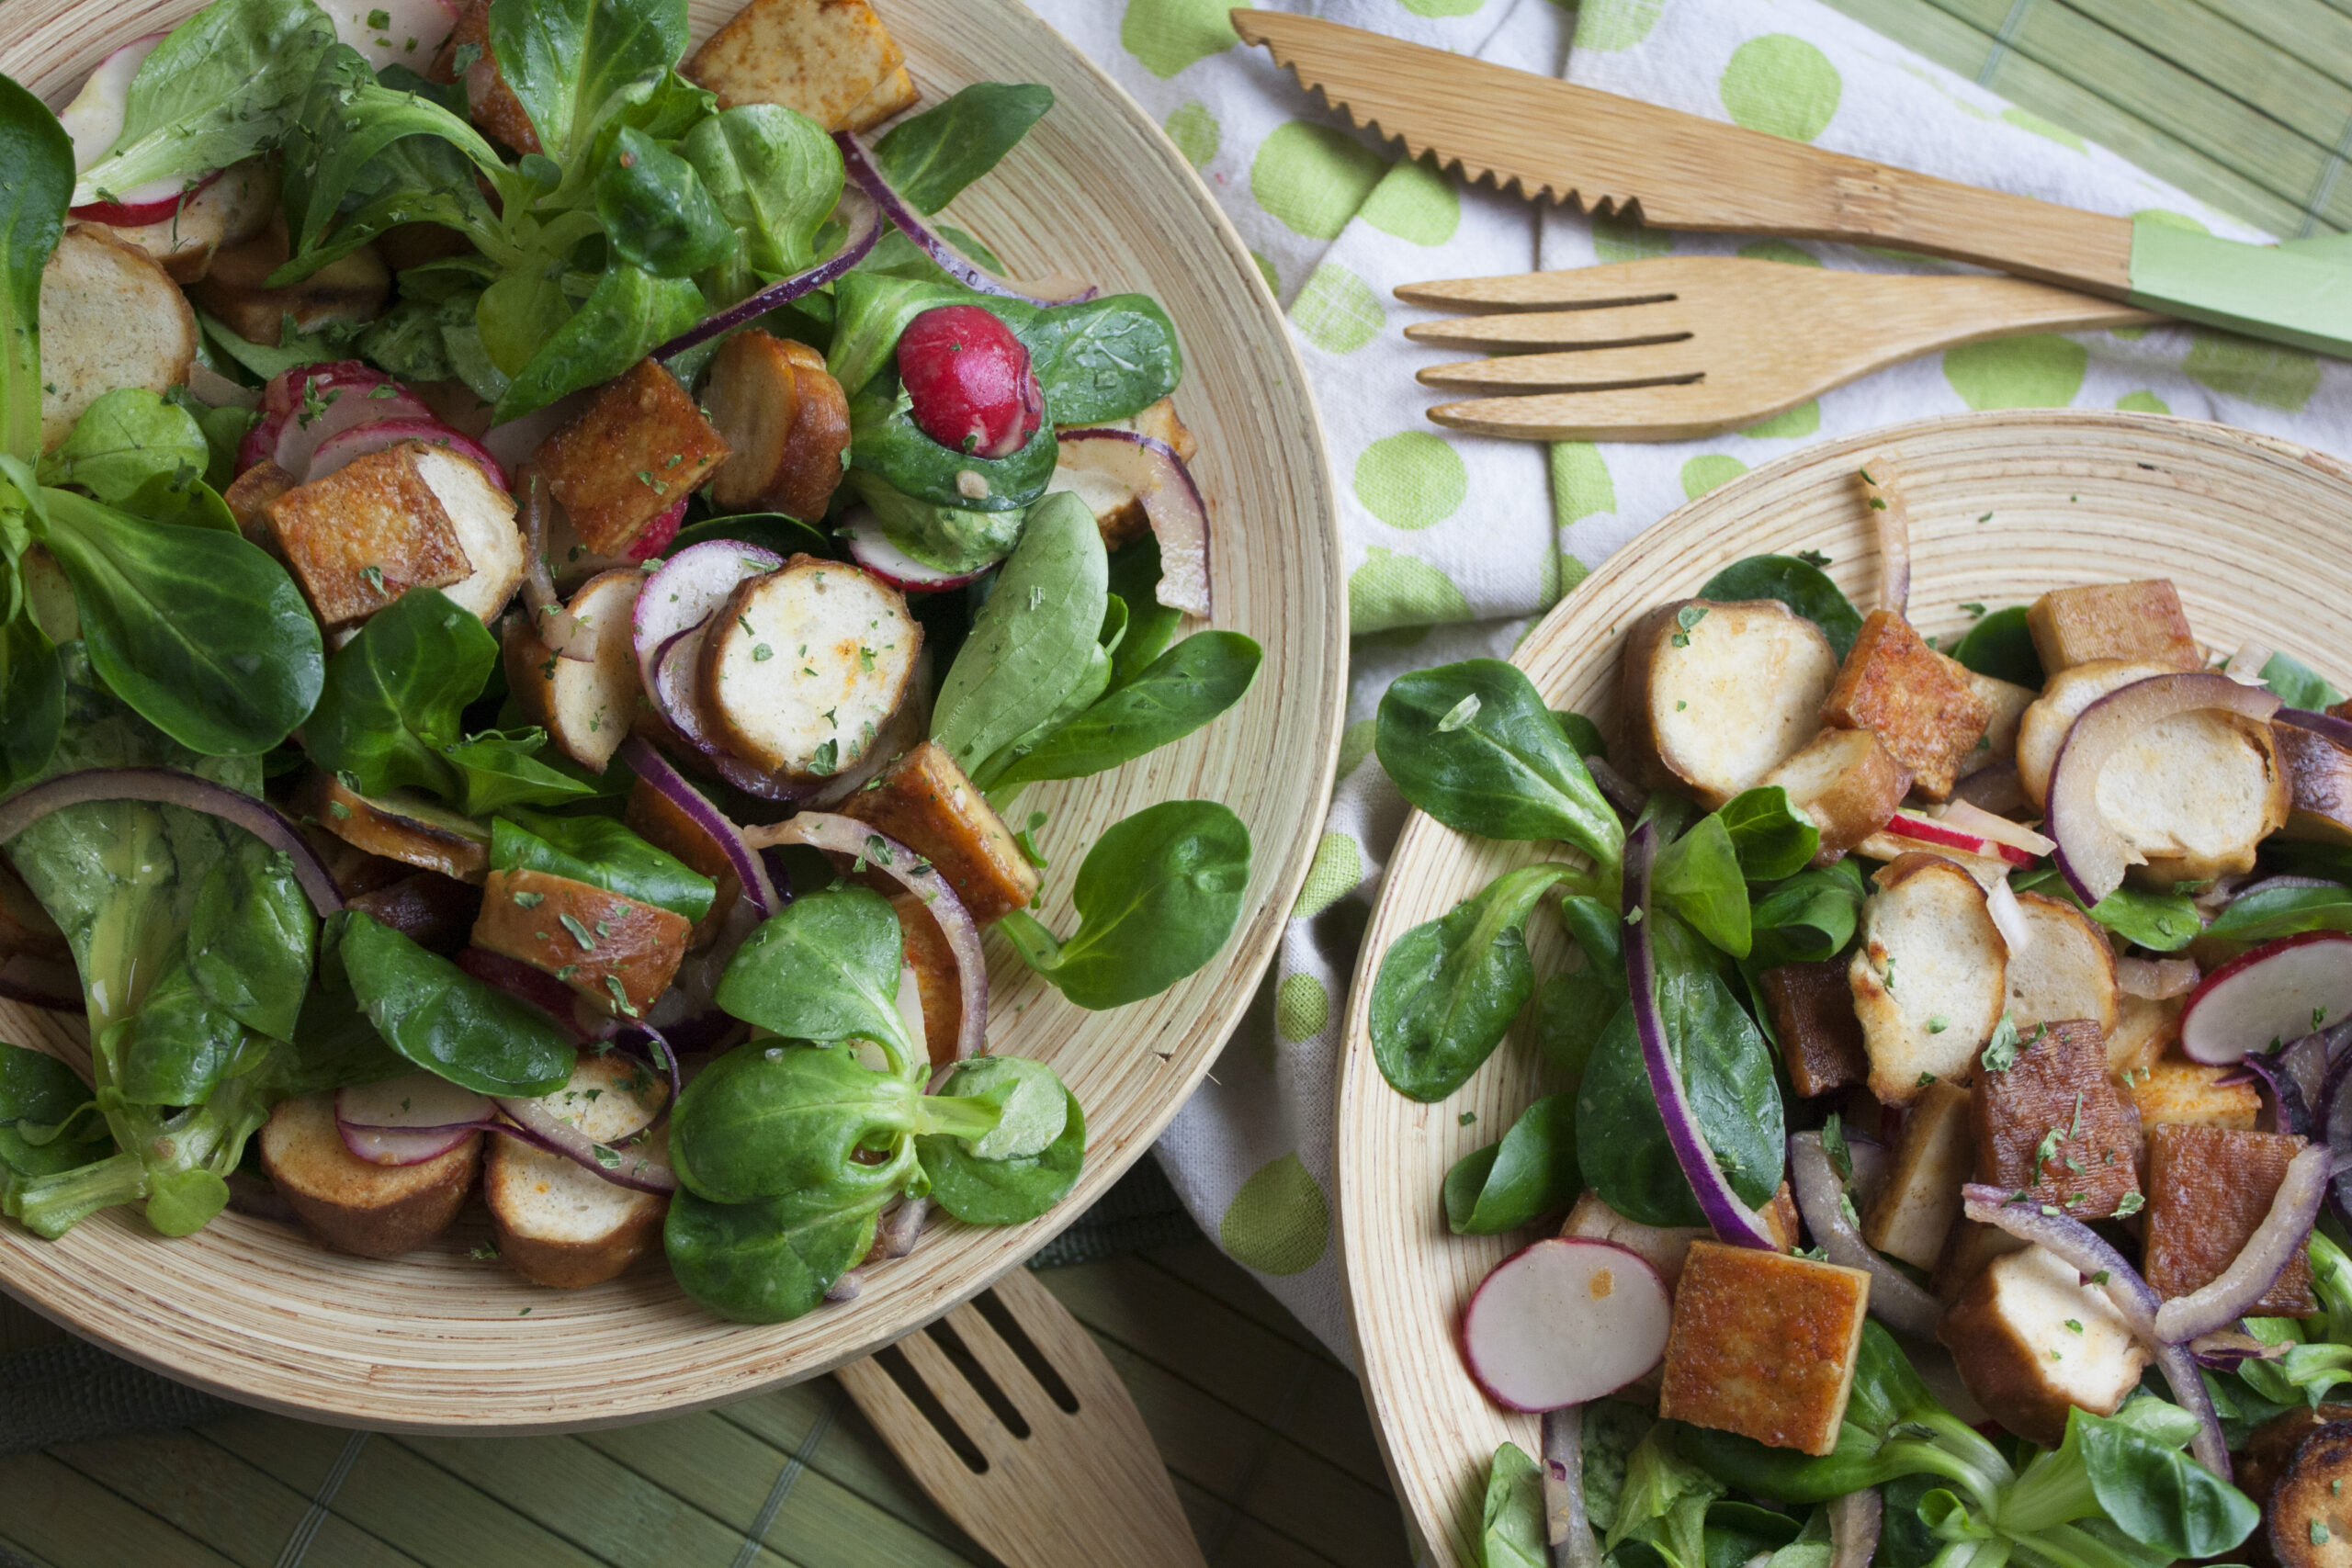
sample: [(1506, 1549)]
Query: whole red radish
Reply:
[(969, 382)]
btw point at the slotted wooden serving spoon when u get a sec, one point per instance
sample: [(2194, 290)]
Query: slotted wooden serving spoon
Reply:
[(1682, 346), (1012, 1418)]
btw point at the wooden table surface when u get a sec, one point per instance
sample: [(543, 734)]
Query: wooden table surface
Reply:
[(1264, 1431)]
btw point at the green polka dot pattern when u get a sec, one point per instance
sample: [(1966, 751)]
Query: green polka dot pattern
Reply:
[(1302, 1006), (1312, 178), (1338, 865), (1337, 311), (1279, 1223), (1782, 84), (1412, 480), (1397, 590), (2039, 372)]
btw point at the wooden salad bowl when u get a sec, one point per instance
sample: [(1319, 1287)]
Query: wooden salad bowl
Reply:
[(439, 1340), (2256, 533)]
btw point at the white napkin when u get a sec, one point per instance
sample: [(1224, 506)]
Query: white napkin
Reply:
[(1442, 528)]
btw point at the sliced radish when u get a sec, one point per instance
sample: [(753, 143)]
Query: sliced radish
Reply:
[(2281, 991), (394, 32), (149, 203), (302, 407), (1942, 834), (92, 122), (376, 435), (420, 1102), (1120, 465), (1564, 1321), (390, 1146), (673, 686), (2008, 916), (2091, 853), (656, 536), (347, 407), (872, 549), (1970, 818), (685, 592)]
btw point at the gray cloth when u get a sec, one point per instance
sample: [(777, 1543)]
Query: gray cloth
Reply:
[(75, 1392)]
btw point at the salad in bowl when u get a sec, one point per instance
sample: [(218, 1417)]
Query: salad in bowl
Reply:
[(537, 573)]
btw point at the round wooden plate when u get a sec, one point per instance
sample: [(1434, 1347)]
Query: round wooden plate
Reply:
[(442, 1340), (2003, 506)]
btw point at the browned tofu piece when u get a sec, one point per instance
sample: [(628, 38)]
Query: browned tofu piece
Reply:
[(2174, 1092), (1896, 686), (1846, 783), (936, 974), (894, 95), (2307, 1518), (2034, 1342), (1763, 1344), (1933, 1159), (494, 109), (2319, 783), (824, 57), (2142, 1031), (250, 494), (786, 422), (1813, 1013), (365, 535), (2209, 1190), (638, 449), (374, 1210), (2112, 620), (236, 288), (2005, 705), (617, 953), (925, 802), (2051, 1126), (655, 818), (400, 826), (1968, 1249)]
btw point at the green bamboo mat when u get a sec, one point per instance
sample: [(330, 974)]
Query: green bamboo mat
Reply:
[(2245, 104)]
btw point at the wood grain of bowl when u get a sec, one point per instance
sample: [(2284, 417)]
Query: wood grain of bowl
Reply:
[(2256, 533), (440, 1340)]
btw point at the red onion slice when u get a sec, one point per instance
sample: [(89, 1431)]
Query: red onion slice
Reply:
[(2000, 829), (663, 777), (1733, 1222), (416, 1102), (635, 1165), (2325, 725), (860, 168), (848, 836), (2091, 853), (2155, 979), (1567, 1528), (2008, 916), (684, 592), (166, 786), (1895, 1300), (1149, 470), (1891, 523), (858, 213), (1854, 1521), (556, 626), (2259, 1263), (1620, 790)]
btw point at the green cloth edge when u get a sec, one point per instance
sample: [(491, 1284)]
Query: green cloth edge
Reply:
[(2303, 297)]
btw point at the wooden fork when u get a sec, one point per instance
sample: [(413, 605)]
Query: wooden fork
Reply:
[(1682, 346), (1012, 1419)]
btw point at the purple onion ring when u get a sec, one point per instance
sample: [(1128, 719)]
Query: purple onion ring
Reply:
[(167, 787)]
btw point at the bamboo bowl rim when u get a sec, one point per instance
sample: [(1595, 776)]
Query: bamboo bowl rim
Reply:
[(2004, 505), (438, 1341)]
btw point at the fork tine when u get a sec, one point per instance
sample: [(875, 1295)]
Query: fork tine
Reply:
[(1678, 412), (1658, 321), (1588, 369), (1577, 288), (961, 1401)]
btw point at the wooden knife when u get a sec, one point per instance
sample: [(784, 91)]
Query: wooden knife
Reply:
[(1553, 140)]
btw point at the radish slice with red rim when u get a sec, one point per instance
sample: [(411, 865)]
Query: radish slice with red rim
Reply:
[(167, 787), (1733, 1221), (2280, 991), (872, 549), (1970, 819), (374, 435), (411, 1104), (887, 857), (655, 537), (2091, 853), (1566, 1321), (1943, 834), (861, 172), (348, 405), (394, 1145), (686, 591), (1149, 470), (152, 202)]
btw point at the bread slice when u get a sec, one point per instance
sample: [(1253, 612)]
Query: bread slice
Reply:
[(585, 704), (1718, 695), (559, 1222), (2194, 794), (802, 667), (482, 517), (230, 209), (375, 1211), (110, 317), (2067, 971), (1929, 978), (2043, 728), (1848, 783)]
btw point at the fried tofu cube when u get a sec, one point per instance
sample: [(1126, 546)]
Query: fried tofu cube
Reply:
[(639, 449), (1933, 1159), (2005, 705), (894, 95), (628, 956), (2112, 620), (1846, 783), (250, 494), (2319, 785), (1763, 1344), (1929, 978), (2209, 1190), (1967, 1250), (2050, 1125), (2173, 1091), (938, 977), (495, 110), (825, 58), (2034, 1342), (365, 535), (1895, 685), (924, 801), (1812, 1014)]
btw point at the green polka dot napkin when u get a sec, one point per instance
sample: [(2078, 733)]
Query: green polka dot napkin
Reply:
[(1454, 542)]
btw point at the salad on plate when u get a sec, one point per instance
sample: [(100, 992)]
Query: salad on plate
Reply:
[(538, 572), (1947, 1149)]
